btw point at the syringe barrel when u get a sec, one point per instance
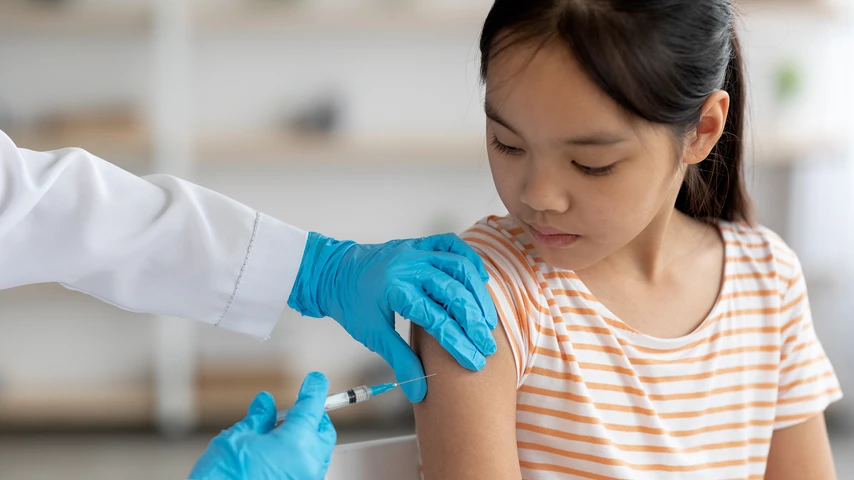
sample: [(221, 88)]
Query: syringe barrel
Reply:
[(349, 397)]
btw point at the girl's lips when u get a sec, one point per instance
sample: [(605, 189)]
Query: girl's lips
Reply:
[(552, 237)]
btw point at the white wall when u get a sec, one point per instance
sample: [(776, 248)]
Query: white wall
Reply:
[(245, 83)]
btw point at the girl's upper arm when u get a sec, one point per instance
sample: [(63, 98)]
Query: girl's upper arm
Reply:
[(800, 448), (801, 452), (467, 423)]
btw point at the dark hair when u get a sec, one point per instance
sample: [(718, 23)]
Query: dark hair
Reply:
[(660, 60)]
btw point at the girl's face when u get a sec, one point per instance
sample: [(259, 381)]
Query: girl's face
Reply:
[(584, 179)]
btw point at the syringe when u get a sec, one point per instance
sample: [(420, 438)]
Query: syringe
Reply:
[(354, 395)]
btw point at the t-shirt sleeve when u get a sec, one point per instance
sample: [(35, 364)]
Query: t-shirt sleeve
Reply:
[(807, 382), (510, 291)]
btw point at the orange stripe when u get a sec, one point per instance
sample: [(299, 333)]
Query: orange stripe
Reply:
[(515, 301), (748, 258), (569, 293), (801, 364), (591, 385), (791, 385), (806, 398), (651, 361), (707, 340), (746, 311), (797, 278), (639, 448), (784, 262), (560, 274), (711, 410), (639, 410), (714, 391), (546, 467), (679, 378), (703, 358), (604, 331), (599, 348), (745, 230), (637, 428), (714, 373), (757, 276), (513, 250), (530, 299), (802, 416), (579, 311), (791, 323), (639, 467), (515, 231), (521, 316), (799, 348), (794, 302), (505, 321), (607, 368), (736, 243), (752, 293), (583, 328)]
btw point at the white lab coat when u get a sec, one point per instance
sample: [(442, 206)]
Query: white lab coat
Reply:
[(154, 244)]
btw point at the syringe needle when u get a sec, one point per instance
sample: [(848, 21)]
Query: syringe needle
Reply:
[(416, 379)]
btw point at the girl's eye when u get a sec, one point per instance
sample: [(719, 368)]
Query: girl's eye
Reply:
[(506, 149), (594, 171)]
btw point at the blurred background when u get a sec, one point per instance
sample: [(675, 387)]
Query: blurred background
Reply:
[(361, 119)]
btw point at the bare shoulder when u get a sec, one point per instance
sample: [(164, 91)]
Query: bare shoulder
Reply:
[(467, 423)]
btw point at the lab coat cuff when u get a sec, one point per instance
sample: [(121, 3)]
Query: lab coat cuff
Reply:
[(266, 278)]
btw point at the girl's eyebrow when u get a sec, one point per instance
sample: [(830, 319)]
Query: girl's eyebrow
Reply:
[(492, 114), (598, 139)]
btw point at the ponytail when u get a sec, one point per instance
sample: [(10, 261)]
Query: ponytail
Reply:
[(714, 188)]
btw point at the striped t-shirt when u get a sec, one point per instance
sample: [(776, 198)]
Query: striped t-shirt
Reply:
[(598, 399)]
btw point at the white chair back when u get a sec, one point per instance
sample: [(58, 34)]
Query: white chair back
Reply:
[(387, 459)]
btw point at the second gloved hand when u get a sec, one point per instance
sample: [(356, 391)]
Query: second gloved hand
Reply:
[(436, 282), (298, 449)]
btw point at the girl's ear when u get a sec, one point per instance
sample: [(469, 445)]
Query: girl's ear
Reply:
[(709, 129)]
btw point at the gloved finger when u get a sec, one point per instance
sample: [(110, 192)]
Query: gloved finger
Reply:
[(260, 418), (327, 436), (400, 357), (308, 411), (463, 271), (326, 432), (463, 309), (451, 243), (413, 303)]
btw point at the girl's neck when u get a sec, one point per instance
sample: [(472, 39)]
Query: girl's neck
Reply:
[(667, 239)]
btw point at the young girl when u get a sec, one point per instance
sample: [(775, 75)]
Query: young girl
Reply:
[(650, 330)]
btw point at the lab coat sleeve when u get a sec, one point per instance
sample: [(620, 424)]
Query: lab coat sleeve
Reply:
[(154, 244)]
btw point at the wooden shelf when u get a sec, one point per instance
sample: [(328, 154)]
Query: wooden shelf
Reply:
[(25, 17), (273, 148), (18, 17), (129, 148), (132, 149), (414, 18), (54, 408), (284, 18)]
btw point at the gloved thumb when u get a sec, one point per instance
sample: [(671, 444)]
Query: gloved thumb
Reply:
[(261, 417), (405, 364), (309, 410)]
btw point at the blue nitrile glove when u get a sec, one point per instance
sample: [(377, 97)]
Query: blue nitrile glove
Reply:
[(436, 282), (298, 449)]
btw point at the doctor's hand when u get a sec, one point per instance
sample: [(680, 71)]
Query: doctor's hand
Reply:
[(298, 449), (436, 282)]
